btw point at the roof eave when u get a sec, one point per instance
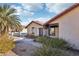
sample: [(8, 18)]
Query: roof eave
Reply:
[(61, 14)]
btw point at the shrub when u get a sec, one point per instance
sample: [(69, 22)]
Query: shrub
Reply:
[(6, 44), (52, 52), (41, 39), (53, 42), (56, 43), (52, 47)]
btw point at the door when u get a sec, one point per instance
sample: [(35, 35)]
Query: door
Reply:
[(40, 31)]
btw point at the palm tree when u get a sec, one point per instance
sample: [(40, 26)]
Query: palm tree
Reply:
[(8, 19)]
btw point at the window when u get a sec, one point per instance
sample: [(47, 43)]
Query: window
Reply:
[(32, 30), (52, 31)]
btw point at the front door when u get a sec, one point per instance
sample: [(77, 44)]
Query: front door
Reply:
[(40, 31)]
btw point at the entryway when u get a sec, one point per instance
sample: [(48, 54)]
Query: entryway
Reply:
[(40, 31)]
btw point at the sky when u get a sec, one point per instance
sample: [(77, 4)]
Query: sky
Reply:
[(38, 11)]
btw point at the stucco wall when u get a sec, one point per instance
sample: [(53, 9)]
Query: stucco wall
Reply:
[(69, 27)]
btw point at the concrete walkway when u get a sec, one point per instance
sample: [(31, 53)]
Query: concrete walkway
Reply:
[(27, 41), (25, 46)]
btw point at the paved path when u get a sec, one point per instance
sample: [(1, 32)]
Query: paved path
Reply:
[(25, 46), (27, 41)]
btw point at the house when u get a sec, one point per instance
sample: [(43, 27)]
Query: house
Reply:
[(66, 25), (36, 28)]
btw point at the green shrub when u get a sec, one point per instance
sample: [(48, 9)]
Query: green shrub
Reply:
[(52, 52), (6, 44), (52, 47), (56, 43), (41, 39), (53, 42)]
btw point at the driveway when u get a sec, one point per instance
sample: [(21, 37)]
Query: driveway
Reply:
[(25, 46)]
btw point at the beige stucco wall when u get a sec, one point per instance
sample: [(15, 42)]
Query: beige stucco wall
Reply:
[(36, 31), (69, 27), (57, 32)]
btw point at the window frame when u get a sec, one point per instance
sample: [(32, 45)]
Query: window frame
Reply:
[(54, 32)]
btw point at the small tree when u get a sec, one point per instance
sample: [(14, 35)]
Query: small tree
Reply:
[(8, 21)]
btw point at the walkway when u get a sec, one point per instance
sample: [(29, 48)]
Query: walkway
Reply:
[(25, 46)]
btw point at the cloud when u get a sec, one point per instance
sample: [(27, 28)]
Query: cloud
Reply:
[(27, 13), (43, 20), (21, 11), (24, 23), (53, 7), (57, 7), (32, 6)]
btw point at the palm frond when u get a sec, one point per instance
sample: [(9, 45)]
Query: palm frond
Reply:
[(8, 20)]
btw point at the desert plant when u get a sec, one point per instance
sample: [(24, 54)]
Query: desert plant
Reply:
[(6, 44), (8, 19), (53, 42), (56, 43), (41, 39), (52, 52), (52, 47)]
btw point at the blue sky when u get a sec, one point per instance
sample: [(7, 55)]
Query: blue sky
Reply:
[(38, 11)]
